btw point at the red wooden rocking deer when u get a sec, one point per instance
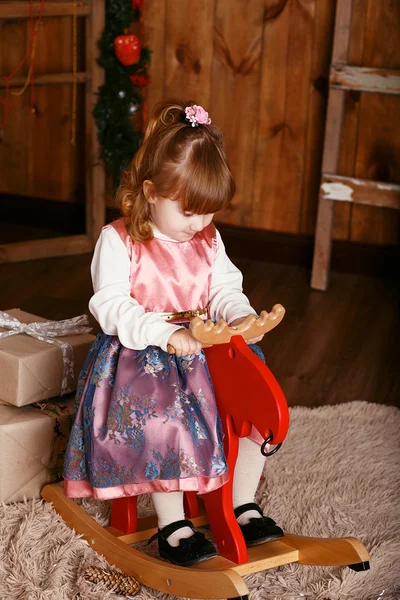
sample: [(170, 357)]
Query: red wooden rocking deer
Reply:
[(240, 379)]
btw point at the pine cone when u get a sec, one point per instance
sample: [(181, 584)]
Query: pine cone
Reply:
[(114, 580)]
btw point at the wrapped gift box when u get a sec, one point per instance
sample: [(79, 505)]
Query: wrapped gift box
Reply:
[(33, 440), (31, 370)]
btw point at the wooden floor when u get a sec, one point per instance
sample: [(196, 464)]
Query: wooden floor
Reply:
[(332, 347)]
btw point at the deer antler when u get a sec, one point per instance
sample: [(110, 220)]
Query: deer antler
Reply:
[(209, 333)]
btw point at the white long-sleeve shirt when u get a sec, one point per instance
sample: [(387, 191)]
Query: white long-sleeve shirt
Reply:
[(119, 314)]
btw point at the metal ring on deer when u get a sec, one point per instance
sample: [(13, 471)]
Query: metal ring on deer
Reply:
[(271, 452)]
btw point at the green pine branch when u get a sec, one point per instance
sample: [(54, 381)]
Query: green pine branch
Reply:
[(118, 138)]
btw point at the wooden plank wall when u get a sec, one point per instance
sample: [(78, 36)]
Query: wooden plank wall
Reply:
[(36, 156), (260, 67)]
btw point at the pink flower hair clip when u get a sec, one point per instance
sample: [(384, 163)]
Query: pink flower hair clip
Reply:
[(196, 115)]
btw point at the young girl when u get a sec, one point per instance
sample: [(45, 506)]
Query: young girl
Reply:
[(146, 420)]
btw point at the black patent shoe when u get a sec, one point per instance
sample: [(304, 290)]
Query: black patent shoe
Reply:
[(258, 531), (190, 551)]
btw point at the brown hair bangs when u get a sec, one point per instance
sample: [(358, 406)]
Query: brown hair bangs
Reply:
[(200, 178)]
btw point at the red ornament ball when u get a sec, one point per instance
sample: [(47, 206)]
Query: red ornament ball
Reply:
[(137, 4), (127, 49), (140, 79)]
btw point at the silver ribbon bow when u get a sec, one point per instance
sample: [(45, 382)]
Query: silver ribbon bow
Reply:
[(45, 332)]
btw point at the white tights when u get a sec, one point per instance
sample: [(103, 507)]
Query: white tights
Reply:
[(248, 470)]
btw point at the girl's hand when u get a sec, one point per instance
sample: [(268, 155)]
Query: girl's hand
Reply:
[(237, 322), (184, 343)]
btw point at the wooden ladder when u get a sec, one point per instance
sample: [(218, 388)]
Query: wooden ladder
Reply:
[(93, 77), (335, 187)]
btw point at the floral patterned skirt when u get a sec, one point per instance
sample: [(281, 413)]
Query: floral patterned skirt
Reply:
[(145, 421)]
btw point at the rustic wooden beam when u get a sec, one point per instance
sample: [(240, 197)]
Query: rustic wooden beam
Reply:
[(61, 246), (49, 79), (331, 153), (15, 10), (95, 178), (360, 191), (365, 79)]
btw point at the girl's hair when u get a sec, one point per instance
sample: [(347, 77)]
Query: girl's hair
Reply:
[(184, 163)]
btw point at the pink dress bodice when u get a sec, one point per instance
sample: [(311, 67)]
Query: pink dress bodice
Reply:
[(168, 276)]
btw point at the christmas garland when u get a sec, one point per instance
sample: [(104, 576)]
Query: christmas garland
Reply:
[(126, 72)]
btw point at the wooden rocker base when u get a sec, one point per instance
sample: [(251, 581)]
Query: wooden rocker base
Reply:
[(215, 578)]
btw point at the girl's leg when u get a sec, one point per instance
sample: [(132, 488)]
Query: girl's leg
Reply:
[(169, 508), (256, 528), (248, 470), (183, 546)]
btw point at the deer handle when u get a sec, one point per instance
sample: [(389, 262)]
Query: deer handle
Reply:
[(210, 333)]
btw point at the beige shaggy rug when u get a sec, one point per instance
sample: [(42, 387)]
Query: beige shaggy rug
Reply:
[(337, 474)]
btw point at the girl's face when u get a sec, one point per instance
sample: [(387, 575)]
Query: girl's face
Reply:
[(169, 217)]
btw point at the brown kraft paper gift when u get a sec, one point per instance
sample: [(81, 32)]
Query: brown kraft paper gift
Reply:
[(32, 370), (33, 440)]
